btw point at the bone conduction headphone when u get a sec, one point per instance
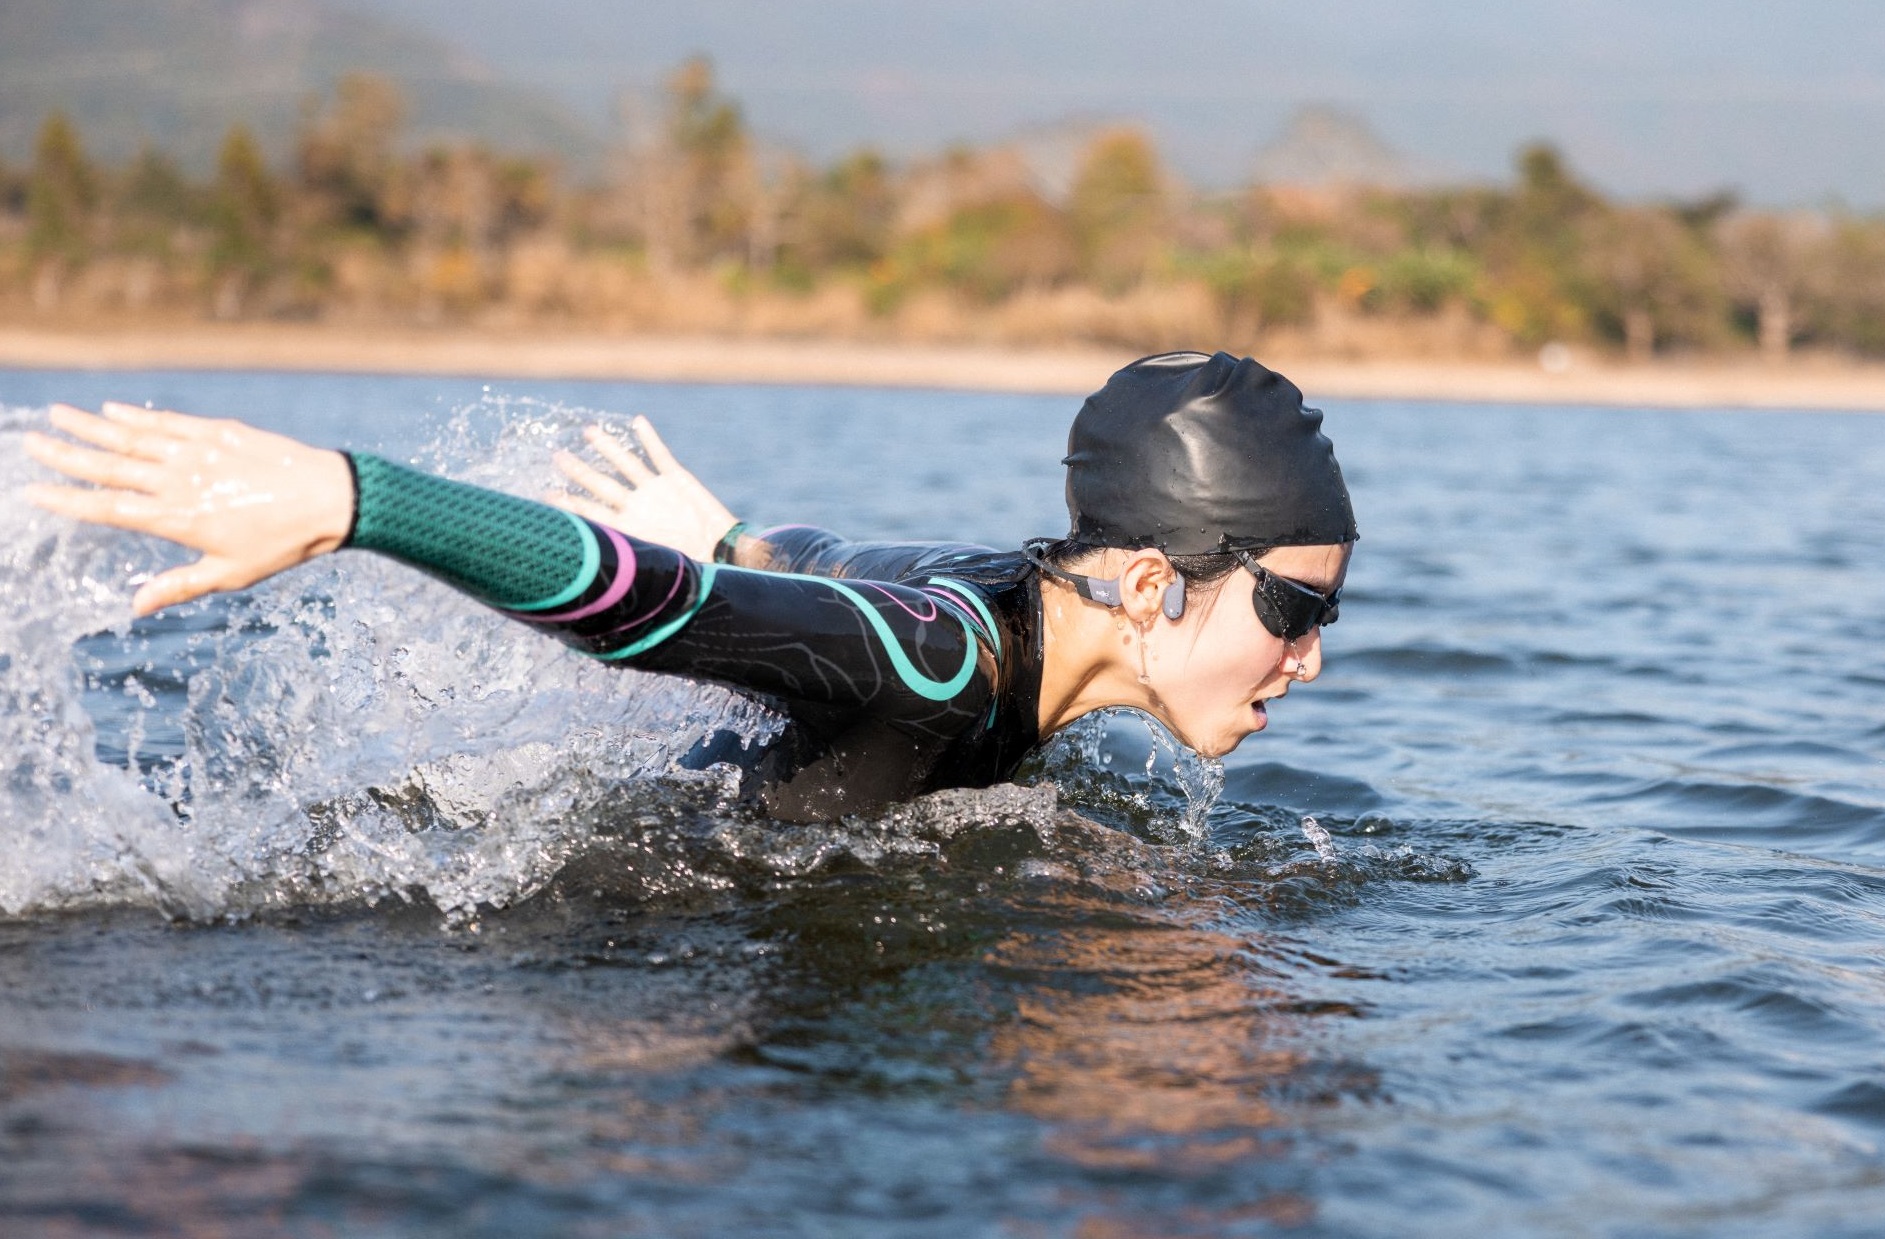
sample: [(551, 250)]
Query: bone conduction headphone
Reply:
[(1105, 590)]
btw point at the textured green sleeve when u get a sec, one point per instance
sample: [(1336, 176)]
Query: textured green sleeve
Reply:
[(509, 552)]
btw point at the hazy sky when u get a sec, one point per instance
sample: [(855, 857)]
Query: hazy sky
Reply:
[(1785, 101)]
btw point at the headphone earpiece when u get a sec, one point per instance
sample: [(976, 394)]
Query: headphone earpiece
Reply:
[(1172, 603)]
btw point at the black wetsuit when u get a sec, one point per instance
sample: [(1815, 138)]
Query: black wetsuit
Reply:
[(903, 667)]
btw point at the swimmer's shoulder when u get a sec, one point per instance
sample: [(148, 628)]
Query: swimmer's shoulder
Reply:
[(962, 561)]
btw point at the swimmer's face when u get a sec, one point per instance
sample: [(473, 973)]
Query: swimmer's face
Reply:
[(1215, 669)]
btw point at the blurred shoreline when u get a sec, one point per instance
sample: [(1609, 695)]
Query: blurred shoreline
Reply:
[(1806, 383)]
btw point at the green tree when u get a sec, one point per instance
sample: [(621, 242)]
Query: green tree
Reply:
[(1117, 208), (1422, 281), (1775, 263), (707, 131), (246, 205), (994, 249), (12, 190), (1550, 201), (61, 193), (347, 154), (1656, 281), (155, 190), (526, 195), (1851, 310), (1258, 289), (1533, 250), (845, 217), (154, 202)]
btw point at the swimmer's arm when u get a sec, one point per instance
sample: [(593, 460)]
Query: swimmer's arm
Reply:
[(811, 551), (918, 659), (255, 503), (589, 585)]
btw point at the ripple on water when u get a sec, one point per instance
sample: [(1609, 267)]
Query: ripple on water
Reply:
[(1861, 1101), (1756, 814), (1429, 660), (1275, 783)]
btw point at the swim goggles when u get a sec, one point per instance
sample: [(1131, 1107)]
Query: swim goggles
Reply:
[(1289, 609)]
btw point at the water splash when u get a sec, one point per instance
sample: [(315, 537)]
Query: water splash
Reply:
[(71, 824), (1170, 796), (1319, 839), (350, 730)]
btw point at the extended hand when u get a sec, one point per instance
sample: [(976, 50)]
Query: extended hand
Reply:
[(252, 502), (665, 504)]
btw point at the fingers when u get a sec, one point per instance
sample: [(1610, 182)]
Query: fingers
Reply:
[(167, 589), (593, 480), (121, 509), (110, 435), (588, 509), (175, 425), (618, 454), (104, 468), (651, 443)]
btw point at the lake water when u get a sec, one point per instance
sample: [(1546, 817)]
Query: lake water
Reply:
[(1556, 906)]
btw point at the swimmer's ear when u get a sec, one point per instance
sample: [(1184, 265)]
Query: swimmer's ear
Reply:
[(1146, 583)]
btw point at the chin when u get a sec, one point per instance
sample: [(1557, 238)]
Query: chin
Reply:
[(1222, 744), (1219, 748)]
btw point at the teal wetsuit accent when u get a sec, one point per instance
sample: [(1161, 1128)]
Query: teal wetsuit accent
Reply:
[(981, 608), (918, 683), (641, 644), (502, 550), (585, 572)]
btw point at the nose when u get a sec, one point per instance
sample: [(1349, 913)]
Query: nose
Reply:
[(1302, 661)]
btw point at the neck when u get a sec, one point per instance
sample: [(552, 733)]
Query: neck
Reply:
[(1090, 660)]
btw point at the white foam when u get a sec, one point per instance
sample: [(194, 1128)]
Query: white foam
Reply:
[(359, 732)]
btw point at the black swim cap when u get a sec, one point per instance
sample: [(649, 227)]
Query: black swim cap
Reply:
[(1195, 454)]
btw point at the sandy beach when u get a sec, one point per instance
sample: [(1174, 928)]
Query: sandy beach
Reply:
[(1806, 384)]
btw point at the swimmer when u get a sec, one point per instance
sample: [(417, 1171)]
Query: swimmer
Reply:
[(1210, 535)]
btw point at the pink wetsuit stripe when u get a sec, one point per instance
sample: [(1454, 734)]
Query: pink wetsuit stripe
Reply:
[(658, 608), (909, 610), (618, 588)]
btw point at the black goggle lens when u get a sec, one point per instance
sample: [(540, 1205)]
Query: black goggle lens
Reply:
[(1289, 609)]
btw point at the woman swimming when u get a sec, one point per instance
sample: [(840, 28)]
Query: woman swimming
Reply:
[(1210, 535)]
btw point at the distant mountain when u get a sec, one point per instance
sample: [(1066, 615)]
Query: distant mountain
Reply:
[(1785, 101), (177, 73), (1325, 146)]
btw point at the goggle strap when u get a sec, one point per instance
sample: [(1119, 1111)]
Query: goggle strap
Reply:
[(1092, 588)]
